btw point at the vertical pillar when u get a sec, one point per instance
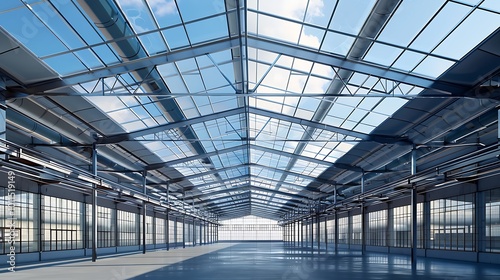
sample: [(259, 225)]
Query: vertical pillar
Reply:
[(480, 223), (3, 121), (413, 211), (167, 229), (168, 216), (326, 234), (183, 231), (217, 229), (94, 204), (38, 220), (183, 219), (318, 231), (144, 213), (311, 233), (194, 232), (201, 232), (302, 233), (115, 220), (336, 229), (363, 217), (390, 226)]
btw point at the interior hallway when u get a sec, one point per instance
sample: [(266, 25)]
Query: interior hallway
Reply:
[(267, 260)]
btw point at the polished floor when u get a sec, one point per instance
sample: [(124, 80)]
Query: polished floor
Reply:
[(238, 261)]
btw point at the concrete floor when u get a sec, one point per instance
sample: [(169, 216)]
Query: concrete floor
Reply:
[(261, 261)]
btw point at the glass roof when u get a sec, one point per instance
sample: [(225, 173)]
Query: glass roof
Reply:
[(259, 99)]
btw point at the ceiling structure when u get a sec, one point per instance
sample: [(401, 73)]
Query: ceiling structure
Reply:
[(252, 107)]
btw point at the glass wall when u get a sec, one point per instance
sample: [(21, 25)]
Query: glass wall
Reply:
[(357, 230), (343, 230), (250, 228), (330, 224), (377, 228), (171, 231), (452, 223), (20, 210), (492, 221), (401, 228), (159, 230), (128, 228), (61, 224)]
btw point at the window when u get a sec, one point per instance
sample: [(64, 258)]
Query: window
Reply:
[(128, 230), (250, 228), (357, 230), (492, 221), (23, 208), (452, 223), (61, 224), (377, 228), (343, 230)]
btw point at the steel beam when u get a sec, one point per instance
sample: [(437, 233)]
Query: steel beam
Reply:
[(40, 88), (353, 65)]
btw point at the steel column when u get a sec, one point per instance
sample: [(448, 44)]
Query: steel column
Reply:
[(94, 204)]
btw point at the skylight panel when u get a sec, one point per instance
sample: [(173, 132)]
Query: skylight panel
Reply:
[(65, 64), (195, 9), (433, 67), (409, 18), (337, 43), (176, 37), (10, 4), (311, 37), (31, 33), (491, 5), (454, 46), (343, 19), (382, 54), (294, 9), (207, 30), (165, 12), (278, 29), (440, 26), (319, 11), (408, 60)]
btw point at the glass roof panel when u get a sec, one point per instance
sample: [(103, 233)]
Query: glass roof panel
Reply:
[(410, 17), (344, 21), (280, 155), (455, 47), (207, 30), (442, 24), (194, 9)]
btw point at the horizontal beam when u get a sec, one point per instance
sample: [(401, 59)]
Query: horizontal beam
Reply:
[(114, 139), (353, 65), (40, 88)]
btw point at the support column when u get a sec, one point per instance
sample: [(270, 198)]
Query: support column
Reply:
[(183, 231), (480, 223), (168, 216), (167, 225), (336, 220), (194, 232), (336, 228), (326, 234), (414, 235), (302, 233), (94, 204), (183, 219), (144, 213), (363, 217), (3, 121), (318, 231)]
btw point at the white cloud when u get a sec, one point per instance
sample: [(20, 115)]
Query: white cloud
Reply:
[(159, 7), (288, 31), (163, 7)]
